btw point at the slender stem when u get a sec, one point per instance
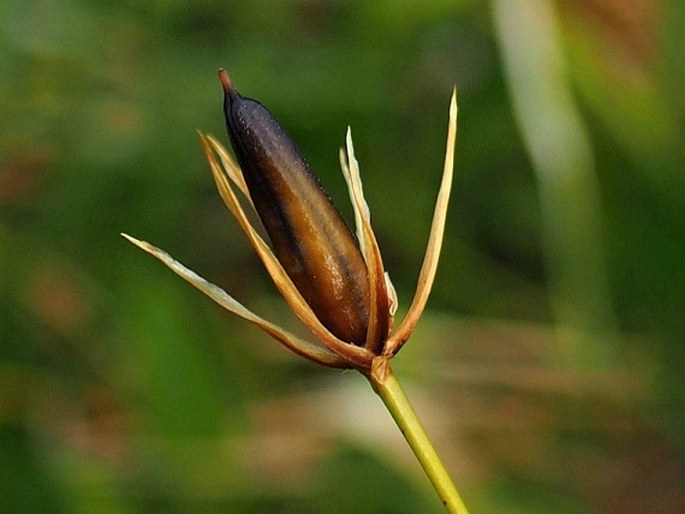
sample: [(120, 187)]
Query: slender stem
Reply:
[(389, 389)]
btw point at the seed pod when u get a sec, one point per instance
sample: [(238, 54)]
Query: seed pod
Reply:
[(308, 235)]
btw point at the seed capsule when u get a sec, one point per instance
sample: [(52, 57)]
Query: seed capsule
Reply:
[(308, 235)]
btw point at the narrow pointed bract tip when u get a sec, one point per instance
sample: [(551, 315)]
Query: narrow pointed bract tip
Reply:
[(140, 244), (225, 80)]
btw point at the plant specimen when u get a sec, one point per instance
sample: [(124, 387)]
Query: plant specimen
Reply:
[(333, 281)]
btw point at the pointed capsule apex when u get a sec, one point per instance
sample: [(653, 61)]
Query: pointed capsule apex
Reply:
[(226, 81)]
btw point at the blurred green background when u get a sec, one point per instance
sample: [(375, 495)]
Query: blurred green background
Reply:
[(549, 366)]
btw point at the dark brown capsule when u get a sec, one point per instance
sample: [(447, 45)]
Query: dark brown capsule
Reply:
[(308, 235)]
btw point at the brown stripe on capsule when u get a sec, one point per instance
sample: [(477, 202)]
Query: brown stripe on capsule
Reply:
[(308, 235)]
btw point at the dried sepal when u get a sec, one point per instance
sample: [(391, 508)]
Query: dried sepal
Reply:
[(291, 341), (430, 261), (379, 312)]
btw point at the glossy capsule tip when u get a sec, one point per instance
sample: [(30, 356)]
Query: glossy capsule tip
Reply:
[(225, 81)]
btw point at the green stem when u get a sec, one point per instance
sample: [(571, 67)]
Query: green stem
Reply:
[(389, 389)]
